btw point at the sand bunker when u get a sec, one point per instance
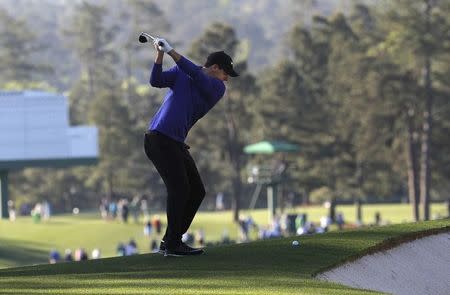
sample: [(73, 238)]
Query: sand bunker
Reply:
[(418, 267)]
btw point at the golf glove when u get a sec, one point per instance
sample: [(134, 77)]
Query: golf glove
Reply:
[(165, 45)]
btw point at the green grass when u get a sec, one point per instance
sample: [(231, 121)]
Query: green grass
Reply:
[(22, 242), (262, 267)]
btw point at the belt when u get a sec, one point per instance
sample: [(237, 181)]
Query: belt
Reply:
[(157, 133)]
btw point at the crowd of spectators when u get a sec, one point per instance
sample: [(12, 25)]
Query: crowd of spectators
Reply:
[(286, 225), (127, 249), (123, 208), (80, 254)]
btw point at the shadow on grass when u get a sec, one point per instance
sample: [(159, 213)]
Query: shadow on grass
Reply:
[(12, 254)]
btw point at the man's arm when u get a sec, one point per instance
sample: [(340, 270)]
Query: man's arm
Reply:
[(175, 55), (161, 79), (159, 57), (212, 88)]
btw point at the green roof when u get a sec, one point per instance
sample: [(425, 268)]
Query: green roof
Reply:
[(53, 163), (270, 147)]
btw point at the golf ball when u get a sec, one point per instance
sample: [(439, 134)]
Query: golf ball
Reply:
[(295, 243)]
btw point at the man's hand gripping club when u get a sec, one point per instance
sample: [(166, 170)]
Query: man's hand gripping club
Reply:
[(161, 45)]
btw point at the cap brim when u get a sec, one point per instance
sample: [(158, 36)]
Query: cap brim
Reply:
[(232, 73)]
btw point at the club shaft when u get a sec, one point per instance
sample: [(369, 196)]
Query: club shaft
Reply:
[(148, 36)]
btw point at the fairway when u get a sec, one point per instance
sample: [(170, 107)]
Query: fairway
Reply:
[(23, 243), (262, 267)]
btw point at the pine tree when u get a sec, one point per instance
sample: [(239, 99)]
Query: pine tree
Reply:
[(18, 43), (223, 133), (415, 34), (91, 40)]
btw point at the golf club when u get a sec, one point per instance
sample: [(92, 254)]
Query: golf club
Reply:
[(144, 37)]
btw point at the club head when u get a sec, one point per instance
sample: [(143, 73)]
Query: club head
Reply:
[(143, 39)]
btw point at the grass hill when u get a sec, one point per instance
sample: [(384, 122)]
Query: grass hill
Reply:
[(22, 242), (262, 267)]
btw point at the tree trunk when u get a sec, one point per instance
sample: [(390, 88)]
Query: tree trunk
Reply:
[(129, 73), (413, 173), (281, 199), (448, 208), (305, 197), (427, 128), (110, 183), (332, 211), (235, 159), (237, 189), (359, 217), (90, 77)]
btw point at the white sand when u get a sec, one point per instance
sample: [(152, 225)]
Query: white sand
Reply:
[(418, 267)]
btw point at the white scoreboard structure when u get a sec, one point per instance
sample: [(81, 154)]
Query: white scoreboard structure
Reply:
[(35, 132)]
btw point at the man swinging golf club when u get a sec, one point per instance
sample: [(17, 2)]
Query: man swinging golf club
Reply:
[(193, 91)]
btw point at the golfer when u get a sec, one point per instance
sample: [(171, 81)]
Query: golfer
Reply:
[(193, 91)]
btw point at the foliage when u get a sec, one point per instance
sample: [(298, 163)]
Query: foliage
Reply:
[(348, 87)]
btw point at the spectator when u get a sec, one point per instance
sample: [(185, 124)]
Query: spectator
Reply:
[(80, 254), (144, 208), (54, 256), (243, 230), (312, 228), (121, 249), (104, 208), (11, 211), (377, 218), (244, 225), (36, 213), (320, 230), (300, 221), (219, 202), (154, 248), (123, 205), (340, 220), (46, 210), (307, 228), (131, 248), (156, 222), (325, 222), (68, 255), (25, 209), (264, 233), (272, 231), (200, 237), (84, 255), (148, 228), (112, 209), (276, 228), (134, 208), (96, 254)]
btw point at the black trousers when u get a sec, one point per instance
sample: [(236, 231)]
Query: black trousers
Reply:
[(185, 189)]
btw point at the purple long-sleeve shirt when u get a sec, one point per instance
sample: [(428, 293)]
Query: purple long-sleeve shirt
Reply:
[(192, 94)]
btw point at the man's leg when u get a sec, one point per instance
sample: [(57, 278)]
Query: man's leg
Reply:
[(197, 192), (196, 196), (168, 160)]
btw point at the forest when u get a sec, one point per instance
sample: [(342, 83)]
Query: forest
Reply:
[(363, 87)]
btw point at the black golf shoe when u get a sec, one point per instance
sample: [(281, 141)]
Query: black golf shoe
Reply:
[(183, 250)]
